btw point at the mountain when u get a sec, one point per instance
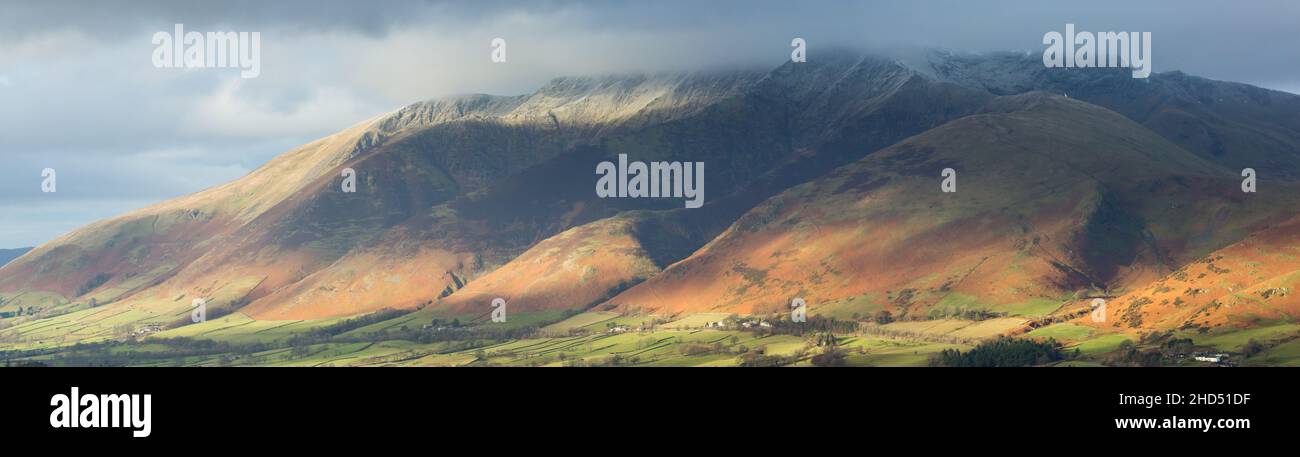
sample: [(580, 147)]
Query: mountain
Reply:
[(1056, 199), (8, 255), (1232, 124), (286, 235), (273, 233), (822, 182)]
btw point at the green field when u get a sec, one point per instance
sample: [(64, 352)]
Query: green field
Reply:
[(1062, 332), (1102, 344), (556, 339)]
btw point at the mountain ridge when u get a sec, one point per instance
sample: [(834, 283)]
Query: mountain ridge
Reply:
[(480, 187)]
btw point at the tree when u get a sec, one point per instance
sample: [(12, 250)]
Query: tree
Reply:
[(1252, 348), (884, 317), (831, 357), (1004, 352)]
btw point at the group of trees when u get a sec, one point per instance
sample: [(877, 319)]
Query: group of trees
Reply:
[(1004, 352), (93, 283), (1128, 354), (814, 324), (970, 314), (831, 357), (761, 359), (19, 311)]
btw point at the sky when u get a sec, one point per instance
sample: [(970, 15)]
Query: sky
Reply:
[(79, 92)]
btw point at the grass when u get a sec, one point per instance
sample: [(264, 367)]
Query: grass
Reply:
[(893, 352), (1062, 332), (37, 300), (1286, 354), (958, 327), (239, 328), (1077, 363), (1233, 339), (988, 328), (696, 320), (861, 306), (579, 321), (1033, 307), (1101, 344), (682, 342)]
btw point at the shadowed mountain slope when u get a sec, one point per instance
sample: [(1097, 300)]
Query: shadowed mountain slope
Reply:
[(1056, 199)]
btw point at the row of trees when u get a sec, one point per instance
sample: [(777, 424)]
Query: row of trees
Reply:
[(1005, 352)]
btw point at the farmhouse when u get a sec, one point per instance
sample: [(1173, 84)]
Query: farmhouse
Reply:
[(1212, 358)]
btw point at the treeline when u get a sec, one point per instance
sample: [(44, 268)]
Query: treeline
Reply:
[(815, 324), (323, 334), (426, 336), (1004, 352), (970, 314), (113, 354), (94, 283)]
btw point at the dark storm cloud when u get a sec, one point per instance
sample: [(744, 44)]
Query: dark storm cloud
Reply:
[(78, 91)]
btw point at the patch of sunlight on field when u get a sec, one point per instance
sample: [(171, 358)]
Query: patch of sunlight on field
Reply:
[(634, 323), (408, 320), (1234, 339), (856, 307), (709, 360), (1077, 363), (197, 329), (580, 320), (364, 355), (1286, 354), (1062, 332), (958, 328), (239, 328), (1101, 344), (112, 321), (779, 344), (418, 319), (935, 327), (1033, 307), (38, 300), (90, 325), (989, 328), (891, 352), (659, 348)]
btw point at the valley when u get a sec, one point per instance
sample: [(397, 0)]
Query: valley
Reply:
[(595, 339)]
